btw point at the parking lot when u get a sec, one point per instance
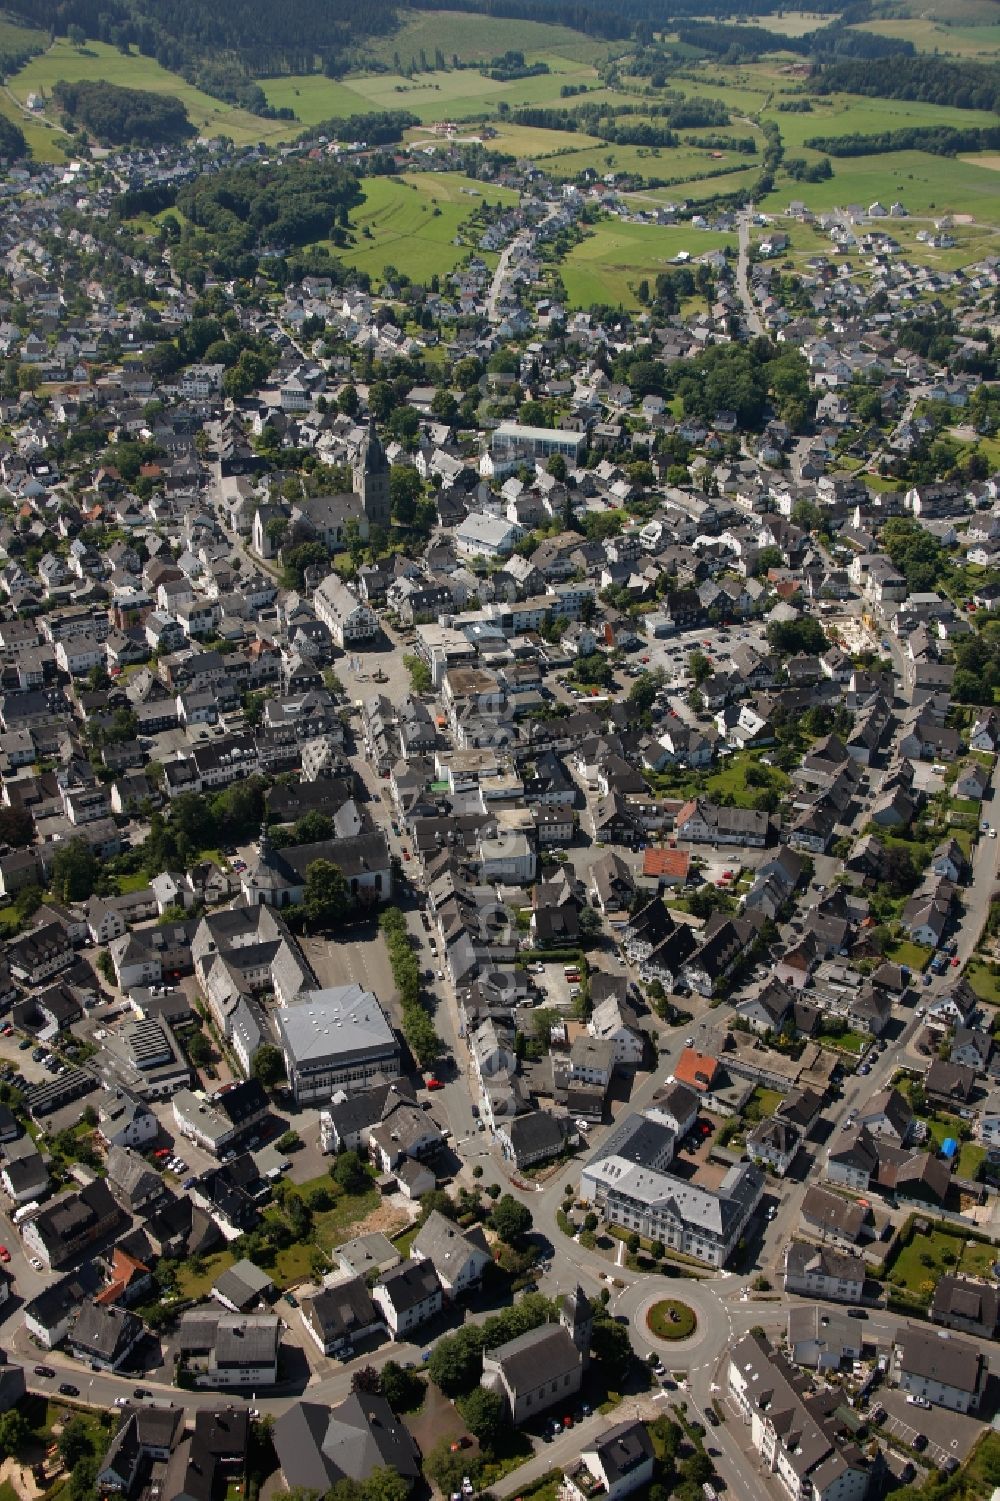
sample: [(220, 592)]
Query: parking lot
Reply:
[(948, 1434)]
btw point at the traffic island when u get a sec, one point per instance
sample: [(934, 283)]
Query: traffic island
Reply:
[(671, 1319)]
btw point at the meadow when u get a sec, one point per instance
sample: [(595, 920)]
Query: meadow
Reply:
[(609, 264), (98, 63), (472, 37), (979, 42), (414, 223)]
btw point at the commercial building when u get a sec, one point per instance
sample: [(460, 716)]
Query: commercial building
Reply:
[(335, 1039)]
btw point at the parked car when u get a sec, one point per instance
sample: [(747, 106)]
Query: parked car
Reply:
[(67, 1389)]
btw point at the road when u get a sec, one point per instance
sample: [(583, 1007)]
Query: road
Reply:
[(743, 271)]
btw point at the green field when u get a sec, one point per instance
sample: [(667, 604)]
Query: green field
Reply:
[(474, 37), (980, 42), (99, 63), (608, 266), (414, 222)]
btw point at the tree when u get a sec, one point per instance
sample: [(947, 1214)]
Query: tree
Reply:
[(313, 828), (511, 1220), (699, 667), (590, 923), (420, 673), (268, 1065), (349, 1172), (456, 1362), (327, 898), (611, 1345), (75, 870), (402, 1389), (75, 1443), (367, 1379), (17, 826), (106, 965), (199, 1049), (13, 1432), (405, 489), (643, 691), (556, 466), (486, 1415)]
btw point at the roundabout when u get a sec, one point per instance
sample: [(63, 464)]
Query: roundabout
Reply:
[(670, 1319)]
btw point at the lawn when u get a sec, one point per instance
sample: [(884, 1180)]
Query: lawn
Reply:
[(985, 984), (195, 1279), (331, 1227), (849, 1042), (912, 955), (732, 778), (671, 1319), (926, 185), (413, 223), (928, 1257), (762, 1104), (610, 263), (135, 882)]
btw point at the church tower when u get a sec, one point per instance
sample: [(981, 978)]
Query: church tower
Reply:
[(371, 479), (577, 1318)]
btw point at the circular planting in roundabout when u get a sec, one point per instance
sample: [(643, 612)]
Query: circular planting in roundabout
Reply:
[(671, 1319)]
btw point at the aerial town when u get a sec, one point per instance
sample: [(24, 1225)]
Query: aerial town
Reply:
[(498, 859)]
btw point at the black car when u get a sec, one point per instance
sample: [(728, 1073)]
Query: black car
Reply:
[(711, 1417), (919, 1442), (856, 1313), (141, 1391), (44, 1370), (950, 1465), (67, 1389)]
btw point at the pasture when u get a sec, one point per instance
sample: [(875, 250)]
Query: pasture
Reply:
[(473, 38), (609, 264), (413, 223), (98, 63)]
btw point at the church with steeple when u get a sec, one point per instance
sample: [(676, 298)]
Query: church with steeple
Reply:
[(331, 519), (371, 480)]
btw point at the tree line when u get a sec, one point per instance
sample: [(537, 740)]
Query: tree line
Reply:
[(376, 127), (938, 140)]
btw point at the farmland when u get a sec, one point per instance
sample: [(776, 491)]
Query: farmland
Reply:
[(99, 63), (413, 222), (417, 226), (608, 266)]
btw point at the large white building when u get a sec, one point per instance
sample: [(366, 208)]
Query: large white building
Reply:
[(629, 1179), (335, 1039), (514, 443)]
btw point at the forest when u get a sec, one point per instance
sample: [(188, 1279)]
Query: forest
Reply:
[(932, 80), (258, 206), (123, 117), (376, 128)]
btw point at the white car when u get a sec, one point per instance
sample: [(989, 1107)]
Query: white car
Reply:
[(36, 1262), (912, 1401)]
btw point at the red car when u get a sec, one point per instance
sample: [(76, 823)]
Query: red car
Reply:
[(434, 1084), (4, 1254), (162, 1152)]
